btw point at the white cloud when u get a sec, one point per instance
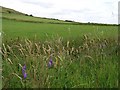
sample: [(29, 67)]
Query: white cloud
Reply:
[(101, 11)]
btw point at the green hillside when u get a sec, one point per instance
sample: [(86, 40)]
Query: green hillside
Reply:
[(8, 11), (15, 15), (19, 16)]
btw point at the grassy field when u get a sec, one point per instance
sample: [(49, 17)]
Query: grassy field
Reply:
[(58, 55), (13, 29)]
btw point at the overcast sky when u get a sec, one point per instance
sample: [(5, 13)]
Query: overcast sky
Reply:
[(99, 11)]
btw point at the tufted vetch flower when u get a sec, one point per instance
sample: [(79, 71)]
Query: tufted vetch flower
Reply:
[(50, 63), (24, 72)]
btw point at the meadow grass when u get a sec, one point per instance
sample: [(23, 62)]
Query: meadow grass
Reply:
[(77, 63), (84, 56)]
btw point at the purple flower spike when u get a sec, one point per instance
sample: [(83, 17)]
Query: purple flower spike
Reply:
[(24, 71), (50, 63)]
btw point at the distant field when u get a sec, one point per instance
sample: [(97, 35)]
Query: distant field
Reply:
[(13, 29)]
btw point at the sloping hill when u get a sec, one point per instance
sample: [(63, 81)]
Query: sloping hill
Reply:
[(19, 16), (7, 10), (15, 15)]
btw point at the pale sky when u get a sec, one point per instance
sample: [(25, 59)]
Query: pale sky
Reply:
[(98, 11)]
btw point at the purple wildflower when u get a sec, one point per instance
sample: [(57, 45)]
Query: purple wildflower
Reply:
[(50, 63), (24, 71)]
